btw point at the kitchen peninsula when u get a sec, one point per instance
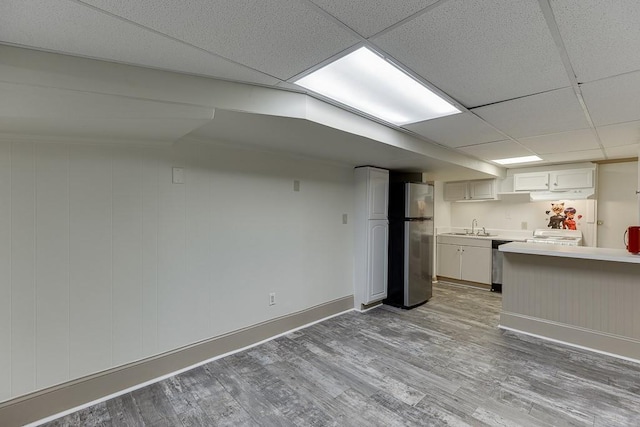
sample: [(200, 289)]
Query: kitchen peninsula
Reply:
[(579, 295)]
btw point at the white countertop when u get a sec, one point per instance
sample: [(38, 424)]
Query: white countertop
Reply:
[(579, 252)]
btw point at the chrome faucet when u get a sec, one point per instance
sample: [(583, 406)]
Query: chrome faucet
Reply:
[(474, 224)]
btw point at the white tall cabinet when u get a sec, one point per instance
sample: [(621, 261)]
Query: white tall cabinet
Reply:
[(371, 235)]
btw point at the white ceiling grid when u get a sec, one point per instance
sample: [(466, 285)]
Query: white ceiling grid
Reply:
[(501, 59)]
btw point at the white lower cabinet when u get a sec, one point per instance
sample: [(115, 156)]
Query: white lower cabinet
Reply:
[(377, 260), (470, 262)]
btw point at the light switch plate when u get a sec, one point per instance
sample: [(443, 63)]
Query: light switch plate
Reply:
[(178, 175)]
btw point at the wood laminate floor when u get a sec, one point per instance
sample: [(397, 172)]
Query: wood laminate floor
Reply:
[(445, 363)]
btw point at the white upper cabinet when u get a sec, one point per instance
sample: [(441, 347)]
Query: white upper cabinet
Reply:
[(455, 191), (482, 189), (570, 179), (377, 192), (561, 180), (532, 181)]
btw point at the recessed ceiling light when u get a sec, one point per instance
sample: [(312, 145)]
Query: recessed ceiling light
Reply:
[(514, 160), (369, 83)]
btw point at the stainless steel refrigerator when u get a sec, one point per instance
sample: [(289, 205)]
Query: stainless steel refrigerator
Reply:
[(410, 244)]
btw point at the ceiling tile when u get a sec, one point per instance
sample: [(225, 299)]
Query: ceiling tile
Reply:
[(280, 37), (367, 20), (613, 100), (456, 130), (574, 156), (623, 151), (78, 30), (601, 36), (576, 140), (497, 150), (543, 113), (480, 51), (620, 134)]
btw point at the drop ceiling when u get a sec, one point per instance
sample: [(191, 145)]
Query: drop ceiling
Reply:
[(555, 78)]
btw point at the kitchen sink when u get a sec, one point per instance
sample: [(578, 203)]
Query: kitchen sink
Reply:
[(472, 235)]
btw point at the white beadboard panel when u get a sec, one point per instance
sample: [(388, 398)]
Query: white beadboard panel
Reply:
[(23, 255), (5, 270), (90, 237), (172, 308), (127, 255), (150, 252), (594, 295), (52, 264), (198, 256)]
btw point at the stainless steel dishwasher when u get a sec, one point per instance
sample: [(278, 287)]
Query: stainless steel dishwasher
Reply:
[(496, 265)]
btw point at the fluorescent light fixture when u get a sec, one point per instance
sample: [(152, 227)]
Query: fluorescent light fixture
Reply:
[(514, 160), (367, 82)]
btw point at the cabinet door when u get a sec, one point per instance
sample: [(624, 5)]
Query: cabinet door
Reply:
[(476, 264), (482, 189), (377, 268), (570, 179), (531, 181), (378, 193), (455, 191), (448, 260)]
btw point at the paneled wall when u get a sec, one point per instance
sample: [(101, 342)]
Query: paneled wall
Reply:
[(104, 261)]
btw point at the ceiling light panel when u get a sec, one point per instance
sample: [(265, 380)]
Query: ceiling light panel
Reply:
[(518, 160), (367, 82)]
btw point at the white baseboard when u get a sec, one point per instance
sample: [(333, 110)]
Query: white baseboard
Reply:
[(54, 402)]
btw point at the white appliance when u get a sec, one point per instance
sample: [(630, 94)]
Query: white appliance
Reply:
[(556, 237)]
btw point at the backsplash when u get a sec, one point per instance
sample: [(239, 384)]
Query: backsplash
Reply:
[(507, 215)]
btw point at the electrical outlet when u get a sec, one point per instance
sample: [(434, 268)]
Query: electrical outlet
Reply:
[(523, 225), (296, 185), (344, 218), (272, 298)]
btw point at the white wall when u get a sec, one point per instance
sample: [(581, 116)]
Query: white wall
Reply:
[(104, 261), (617, 202)]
